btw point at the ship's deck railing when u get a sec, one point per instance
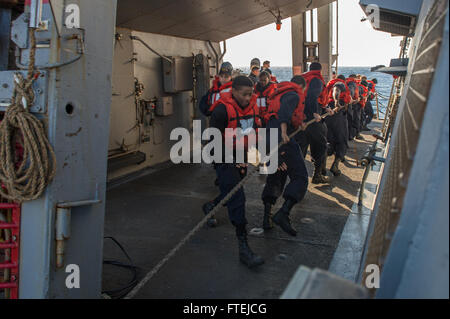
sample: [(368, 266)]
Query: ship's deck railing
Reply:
[(404, 119)]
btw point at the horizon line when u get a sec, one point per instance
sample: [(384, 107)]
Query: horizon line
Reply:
[(290, 66)]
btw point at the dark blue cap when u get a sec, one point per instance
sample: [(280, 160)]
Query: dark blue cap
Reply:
[(226, 68), (256, 62)]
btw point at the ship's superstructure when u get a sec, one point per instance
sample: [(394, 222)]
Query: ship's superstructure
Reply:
[(116, 77)]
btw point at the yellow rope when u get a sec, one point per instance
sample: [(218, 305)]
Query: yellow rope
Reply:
[(29, 180)]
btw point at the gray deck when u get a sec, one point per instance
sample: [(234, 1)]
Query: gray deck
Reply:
[(151, 214)]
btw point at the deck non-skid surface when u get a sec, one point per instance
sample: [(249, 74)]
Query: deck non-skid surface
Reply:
[(149, 216)]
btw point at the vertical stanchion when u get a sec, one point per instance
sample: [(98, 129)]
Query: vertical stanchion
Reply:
[(378, 109)]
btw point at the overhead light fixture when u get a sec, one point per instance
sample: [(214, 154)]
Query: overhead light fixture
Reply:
[(279, 18)]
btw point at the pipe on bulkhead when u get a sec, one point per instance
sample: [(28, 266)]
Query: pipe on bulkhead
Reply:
[(63, 221), (218, 58), (136, 38), (215, 55)]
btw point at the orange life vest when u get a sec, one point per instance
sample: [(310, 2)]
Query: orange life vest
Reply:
[(372, 90), (215, 92), (323, 98), (246, 119), (364, 95), (273, 79), (275, 103), (356, 94), (345, 96), (373, 85), (262, 98)]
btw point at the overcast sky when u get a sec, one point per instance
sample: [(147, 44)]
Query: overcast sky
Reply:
[(359, 43)]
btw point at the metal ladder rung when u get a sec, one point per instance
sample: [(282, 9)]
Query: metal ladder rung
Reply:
[(8, 265), (8, 226), (8, 285), (8, 206), (8, 245)]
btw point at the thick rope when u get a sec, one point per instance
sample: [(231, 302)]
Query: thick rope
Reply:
[(27, 181), (215, 210)]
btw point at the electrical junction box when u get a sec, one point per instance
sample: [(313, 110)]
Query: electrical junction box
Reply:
[(178, 75), (164, 107)]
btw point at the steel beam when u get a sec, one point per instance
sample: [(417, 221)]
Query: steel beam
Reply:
[(77, 117), (298, 40), (325, 16)]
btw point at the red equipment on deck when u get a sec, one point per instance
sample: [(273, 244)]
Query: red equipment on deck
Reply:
[(9, 250)]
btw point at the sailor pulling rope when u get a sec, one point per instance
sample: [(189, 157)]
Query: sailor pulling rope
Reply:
[(27, 180), (214, 211)]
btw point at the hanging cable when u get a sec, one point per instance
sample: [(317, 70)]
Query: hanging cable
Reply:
[(122, 291)]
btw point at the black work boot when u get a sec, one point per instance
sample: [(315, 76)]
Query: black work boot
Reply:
[(323, 169), (318, 177), (281, 218), (267, 220), (246, 255), (335, 167), (320, 172), (207, 208)]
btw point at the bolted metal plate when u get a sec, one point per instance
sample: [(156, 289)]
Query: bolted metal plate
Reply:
[(19, 31), (39, 87), (20, 35)]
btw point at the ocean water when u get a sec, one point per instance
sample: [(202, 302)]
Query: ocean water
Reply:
[(383, 87)]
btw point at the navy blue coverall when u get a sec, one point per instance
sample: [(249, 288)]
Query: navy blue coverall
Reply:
[(316, 134), (204, 105), (355, 125), (229, 175), (290, 154), (368, 109), (350, 113), (337, 126)]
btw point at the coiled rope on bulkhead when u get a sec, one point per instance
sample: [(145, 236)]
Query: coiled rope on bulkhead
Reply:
[(27, 180)]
